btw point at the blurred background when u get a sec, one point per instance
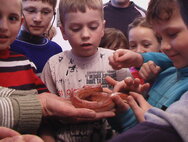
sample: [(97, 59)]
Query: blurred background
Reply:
[(65, 44)]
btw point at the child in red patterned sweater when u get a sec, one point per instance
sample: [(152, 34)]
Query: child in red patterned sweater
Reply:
[(16, 71)]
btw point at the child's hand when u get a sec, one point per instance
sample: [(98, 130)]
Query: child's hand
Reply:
[(125, 58), (9, 135), (149, 71), (135, 85), (128, 84), (139, 105)]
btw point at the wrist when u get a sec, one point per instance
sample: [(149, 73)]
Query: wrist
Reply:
[(140, 60), (42, 100)]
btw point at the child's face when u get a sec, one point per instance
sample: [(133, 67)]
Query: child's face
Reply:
[(10, 22), (84, 31), (38, 16), (142, 39), (174, 44)]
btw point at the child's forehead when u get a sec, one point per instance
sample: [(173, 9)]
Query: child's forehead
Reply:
[(37, 4), (89, 14), (51, 2), (12, 6)]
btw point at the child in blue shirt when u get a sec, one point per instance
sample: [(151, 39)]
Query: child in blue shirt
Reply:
[(169, 86), (31, 41)]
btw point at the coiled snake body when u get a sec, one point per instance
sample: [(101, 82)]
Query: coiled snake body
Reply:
[(93, 97)]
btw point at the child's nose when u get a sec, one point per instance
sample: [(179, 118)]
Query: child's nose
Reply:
[(165, 45), (85, 33), (140, 49), (38, 17), (3, 25)]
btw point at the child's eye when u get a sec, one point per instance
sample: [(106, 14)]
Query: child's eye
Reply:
[(132, 46), (146, 44), (93, 27), (46, 12), (30, 10), (75, 29), (13, 18), (172, 34)]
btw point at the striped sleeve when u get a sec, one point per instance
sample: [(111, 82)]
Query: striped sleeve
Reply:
[(20, 110), (6, 113)]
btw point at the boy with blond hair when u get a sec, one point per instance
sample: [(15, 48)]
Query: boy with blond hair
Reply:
[(85, 64)]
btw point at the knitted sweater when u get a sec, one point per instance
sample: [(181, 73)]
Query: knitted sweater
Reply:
[(168, 87), (16, 71), (170, 125), (20, 110), (120, 18), (39, 52)]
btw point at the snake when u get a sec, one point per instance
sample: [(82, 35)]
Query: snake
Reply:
[(93, 97)]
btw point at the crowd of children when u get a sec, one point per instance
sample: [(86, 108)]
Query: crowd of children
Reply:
[(155, 113)]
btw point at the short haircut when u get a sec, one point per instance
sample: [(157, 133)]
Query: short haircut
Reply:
[(113, 38), (67, 6), (142, 22), (51, 2), (184, 9), (161, 10)]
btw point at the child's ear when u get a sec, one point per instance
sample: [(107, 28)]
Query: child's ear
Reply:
[(22, 20), (63, 32), (104, 22)]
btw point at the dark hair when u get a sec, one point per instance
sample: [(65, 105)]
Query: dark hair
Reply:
[(160, 10), (184, 10), (51, 2), (113, 38)]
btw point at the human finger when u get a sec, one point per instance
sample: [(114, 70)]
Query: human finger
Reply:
[(22, 138), (136, 109), (110, 80), (119, 87), (115, 65), (145, 87), (120, 103), (144, 71), (32, 138), (141, 101), (7, 132), (154, 69)]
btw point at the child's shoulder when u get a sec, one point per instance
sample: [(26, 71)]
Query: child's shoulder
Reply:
[(60, 55), (54, 44)]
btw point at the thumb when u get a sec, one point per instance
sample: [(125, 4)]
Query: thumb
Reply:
[(6, 132)]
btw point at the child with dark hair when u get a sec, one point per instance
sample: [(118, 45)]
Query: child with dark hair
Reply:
[(114, 39), (142, 39), (171, 124)]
